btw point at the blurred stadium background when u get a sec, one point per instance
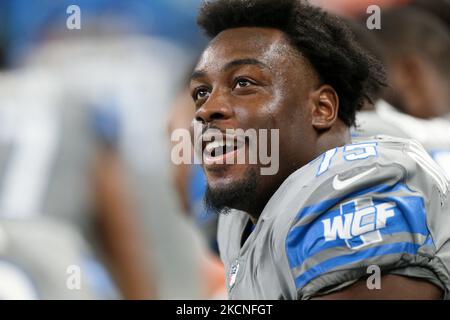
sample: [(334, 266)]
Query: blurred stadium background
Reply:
[(86, 178)]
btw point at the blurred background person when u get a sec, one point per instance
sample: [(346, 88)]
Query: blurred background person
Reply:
[(417, 60), (42, 174), (413, 44), (416, 104), (109, 164)]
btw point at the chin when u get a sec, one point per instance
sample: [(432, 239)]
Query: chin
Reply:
[(231, 191)]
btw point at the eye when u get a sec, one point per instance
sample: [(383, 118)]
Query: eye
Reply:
[(242, 83), (200, 94)]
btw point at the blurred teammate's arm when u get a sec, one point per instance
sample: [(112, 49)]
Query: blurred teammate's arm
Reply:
[(119, 229)]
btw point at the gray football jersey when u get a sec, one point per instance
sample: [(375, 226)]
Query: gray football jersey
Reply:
[(45, 259), (379, 201)]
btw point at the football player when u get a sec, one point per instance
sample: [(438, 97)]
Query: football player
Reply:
[(336, 208)]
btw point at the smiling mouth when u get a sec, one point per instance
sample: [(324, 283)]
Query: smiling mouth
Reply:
[(221, 151)]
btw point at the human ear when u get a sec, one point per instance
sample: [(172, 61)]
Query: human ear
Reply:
[(325, 107)]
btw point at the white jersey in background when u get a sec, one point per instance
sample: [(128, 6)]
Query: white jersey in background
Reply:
[(433, 134)]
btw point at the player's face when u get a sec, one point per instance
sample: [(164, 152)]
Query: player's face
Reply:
[(252, 78)]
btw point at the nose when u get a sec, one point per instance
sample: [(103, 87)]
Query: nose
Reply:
[(215, 108)]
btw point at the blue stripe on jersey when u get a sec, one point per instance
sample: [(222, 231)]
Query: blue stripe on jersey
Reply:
[(306, 241), (406, 215), (429, 241), (357, 256), (327, 204)]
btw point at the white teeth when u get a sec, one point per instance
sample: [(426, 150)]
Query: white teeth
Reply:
[(210, 147), (219, 144), (220, 147)]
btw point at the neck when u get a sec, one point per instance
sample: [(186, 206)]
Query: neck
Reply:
[(337, 136)]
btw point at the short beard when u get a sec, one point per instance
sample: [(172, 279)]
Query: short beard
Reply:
[(240, 195)]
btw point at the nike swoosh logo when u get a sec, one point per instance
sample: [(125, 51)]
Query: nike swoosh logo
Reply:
[(342, 184)]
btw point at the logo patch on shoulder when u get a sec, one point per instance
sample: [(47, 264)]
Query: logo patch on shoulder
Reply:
[(359, 222)]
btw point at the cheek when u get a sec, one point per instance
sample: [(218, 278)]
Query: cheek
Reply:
[(294, 123), (276, 103), (275, 111), (286, 112), (257, 112)]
